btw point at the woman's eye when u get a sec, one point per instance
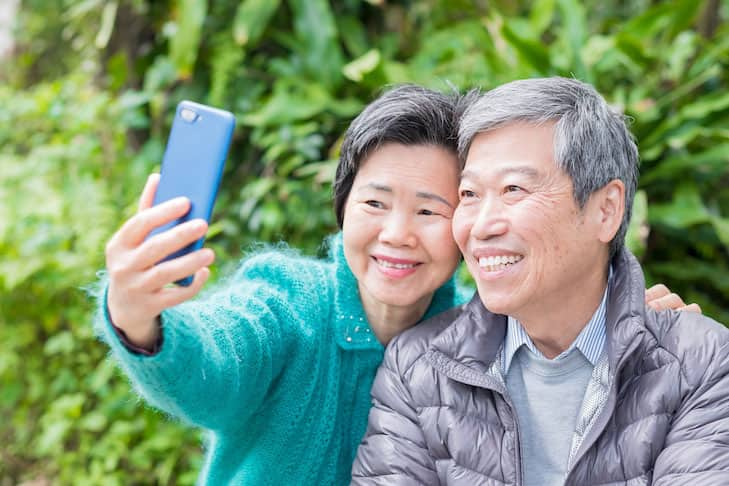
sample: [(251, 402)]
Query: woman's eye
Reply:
[(374, 204), (426, 212), (513, 188), (465, 193)]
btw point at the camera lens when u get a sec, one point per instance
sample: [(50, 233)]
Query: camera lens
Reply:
[(188, 115)]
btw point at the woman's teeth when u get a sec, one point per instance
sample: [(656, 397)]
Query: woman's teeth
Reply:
[(385, 264), (494, 263)]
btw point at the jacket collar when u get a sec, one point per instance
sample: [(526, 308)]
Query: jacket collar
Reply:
[(476, 336), (625, 309)]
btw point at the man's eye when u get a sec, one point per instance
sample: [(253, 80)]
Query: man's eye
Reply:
[(426, 212), (374, 204), (465, 193), (513, 188)]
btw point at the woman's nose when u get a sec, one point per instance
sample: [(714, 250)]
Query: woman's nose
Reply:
[(397, 230)]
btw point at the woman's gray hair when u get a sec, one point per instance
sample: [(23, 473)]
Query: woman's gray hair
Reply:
[(592, 143), (406, 114)]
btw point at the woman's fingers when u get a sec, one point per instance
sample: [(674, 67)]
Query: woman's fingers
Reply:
[(169, 297), (136, 229), (691, 308), (670, 301), (656, 292), (166, 243), (150, 189), (170, 271)]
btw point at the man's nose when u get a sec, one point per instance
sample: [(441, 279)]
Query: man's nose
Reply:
[(398, 230), (490, 219)]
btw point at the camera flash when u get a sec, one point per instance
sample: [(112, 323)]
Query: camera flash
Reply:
[(188, 115)]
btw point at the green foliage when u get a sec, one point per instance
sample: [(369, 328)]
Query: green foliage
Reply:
[(88, 100)]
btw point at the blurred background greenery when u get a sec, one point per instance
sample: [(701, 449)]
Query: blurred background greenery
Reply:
[(87, 93)]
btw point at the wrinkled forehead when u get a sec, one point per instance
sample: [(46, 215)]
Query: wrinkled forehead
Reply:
[(522, 148)]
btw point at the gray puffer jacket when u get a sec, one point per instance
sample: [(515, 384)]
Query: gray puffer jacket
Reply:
[(656, 410)]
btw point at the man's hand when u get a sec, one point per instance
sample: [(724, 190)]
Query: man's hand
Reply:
[(139, 287), (659, 297)]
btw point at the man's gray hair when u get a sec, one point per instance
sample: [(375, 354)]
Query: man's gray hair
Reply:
[(592, 143)]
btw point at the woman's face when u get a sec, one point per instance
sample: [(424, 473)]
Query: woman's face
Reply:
[(397, 224)]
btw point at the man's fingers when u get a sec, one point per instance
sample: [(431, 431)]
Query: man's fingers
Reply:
[(656, 292), (166, 243), (136, 229), (173, 296), (691, 308), (670, 301), (150, 189), (170, 271)]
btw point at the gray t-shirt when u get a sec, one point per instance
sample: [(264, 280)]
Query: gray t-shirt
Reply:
[(547, 395)]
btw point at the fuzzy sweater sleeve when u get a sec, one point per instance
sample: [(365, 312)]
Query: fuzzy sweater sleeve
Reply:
[(221, 353)]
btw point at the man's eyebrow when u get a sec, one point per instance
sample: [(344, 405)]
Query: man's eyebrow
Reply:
[(435, 197), (525, 170)]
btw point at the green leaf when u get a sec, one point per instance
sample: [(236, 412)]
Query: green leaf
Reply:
[(357, 69), (251, 20), (290, 103), (185, 41), (541, 15), (714, 160), (574, 26), (703, 107), (638, 230), (721, 225), (108, 16), (318, 43), (684, 211), (530, 50)]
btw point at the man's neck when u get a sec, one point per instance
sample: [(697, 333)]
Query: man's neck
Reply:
[(554, 327)]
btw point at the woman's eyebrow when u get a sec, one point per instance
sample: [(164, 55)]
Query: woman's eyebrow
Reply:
[(420, 194), (375, 186)]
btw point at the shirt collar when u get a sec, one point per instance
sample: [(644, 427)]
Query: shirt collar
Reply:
[(590, 341)]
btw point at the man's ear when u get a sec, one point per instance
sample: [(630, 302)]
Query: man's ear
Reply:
[(610, 205)]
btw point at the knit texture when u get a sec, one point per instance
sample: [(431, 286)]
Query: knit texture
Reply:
[(276, 364)]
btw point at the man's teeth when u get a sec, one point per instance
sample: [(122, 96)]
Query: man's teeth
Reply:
[(494, 263), (385, 264)]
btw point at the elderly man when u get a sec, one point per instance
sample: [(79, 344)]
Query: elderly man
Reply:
[(556, 372)]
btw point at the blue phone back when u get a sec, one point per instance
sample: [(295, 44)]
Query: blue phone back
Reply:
[(193, 162)]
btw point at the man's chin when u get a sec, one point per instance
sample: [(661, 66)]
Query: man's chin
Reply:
[(498, 304)]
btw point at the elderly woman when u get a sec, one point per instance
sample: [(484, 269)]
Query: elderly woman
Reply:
[(277, 362)]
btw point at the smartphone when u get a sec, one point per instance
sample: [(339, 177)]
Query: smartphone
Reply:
[(192, 165)]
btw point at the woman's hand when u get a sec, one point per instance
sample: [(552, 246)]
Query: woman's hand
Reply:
[(659, 297), (139, 288)]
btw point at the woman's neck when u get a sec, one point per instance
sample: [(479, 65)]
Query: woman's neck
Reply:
[(387, 321)]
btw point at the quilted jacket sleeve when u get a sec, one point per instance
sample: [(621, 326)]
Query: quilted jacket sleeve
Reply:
[(696, 450), (393, 450)]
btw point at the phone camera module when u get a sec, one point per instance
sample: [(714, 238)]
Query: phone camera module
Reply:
[(188, 115)]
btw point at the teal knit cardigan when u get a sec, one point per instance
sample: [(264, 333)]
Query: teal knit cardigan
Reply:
[(276, 365)]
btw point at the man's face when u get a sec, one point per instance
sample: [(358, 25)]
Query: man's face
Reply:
[(526, 242)]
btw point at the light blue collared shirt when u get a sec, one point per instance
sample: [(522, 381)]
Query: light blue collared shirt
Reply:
[(590, 341)]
